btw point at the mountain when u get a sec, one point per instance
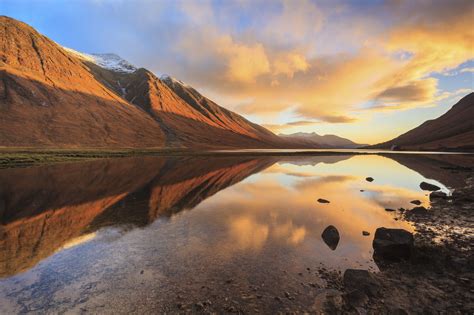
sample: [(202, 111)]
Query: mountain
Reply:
[(452, 131), (57, 97), (48, 97), (317, 141)]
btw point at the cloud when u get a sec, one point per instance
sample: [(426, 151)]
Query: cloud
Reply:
[(324, 60)]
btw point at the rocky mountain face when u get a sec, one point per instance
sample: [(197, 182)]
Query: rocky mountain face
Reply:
[(48, 97), (54, 96), (321, 142), (452, 131)]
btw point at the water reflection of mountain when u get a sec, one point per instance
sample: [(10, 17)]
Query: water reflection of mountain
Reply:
[(44, 208), (447, 169)]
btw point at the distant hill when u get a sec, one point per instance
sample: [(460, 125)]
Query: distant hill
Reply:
[(450, 132), (317, 141)]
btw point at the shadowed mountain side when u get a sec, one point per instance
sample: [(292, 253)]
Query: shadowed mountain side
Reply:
[(46, 208), (452, 131), (65, 118), (49, 98), (438, 167)]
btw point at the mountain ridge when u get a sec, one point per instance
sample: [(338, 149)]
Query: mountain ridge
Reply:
[(452, 131)]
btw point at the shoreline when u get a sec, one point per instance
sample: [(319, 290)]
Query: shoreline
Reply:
[(25, 157)]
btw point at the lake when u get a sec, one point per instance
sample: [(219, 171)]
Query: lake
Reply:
[(183, 234)]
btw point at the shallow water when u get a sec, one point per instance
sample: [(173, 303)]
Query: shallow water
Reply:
[(150, 233)]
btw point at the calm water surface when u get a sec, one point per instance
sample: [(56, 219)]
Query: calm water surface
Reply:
[(150, 233)]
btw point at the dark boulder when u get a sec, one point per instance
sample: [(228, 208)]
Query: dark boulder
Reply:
[(331, 237), (416, 202), (389, 209), (392, 244), (419, 211), (369, 179), (428, 186), (321, 200)]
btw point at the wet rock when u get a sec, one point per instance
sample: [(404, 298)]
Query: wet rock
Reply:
[(331, 237), (321, 200), (389, 209), (392, 243), (419, 211), (416, 202), (365, 233), (437, 195), (369, 179), (428, 186)]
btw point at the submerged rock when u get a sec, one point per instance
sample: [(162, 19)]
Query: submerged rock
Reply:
[(369, 179), (321, 200), (392, 243), (416, 202), (428, 186), (331, 237)]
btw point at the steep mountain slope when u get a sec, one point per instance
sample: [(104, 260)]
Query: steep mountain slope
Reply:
[(452, 131), (54, 96), (317, 141), (48, 97), (187, 118)]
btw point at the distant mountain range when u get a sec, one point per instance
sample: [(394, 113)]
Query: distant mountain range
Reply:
[(327, 141), (453, 131)]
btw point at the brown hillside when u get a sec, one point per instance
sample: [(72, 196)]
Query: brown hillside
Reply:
[(452, 131), (49, 98)]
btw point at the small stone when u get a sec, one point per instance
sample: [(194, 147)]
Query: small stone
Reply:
[(321, 200), (365, 233), (141, 272), (389, 210), (369, 179), (331, 237), (416, 202)]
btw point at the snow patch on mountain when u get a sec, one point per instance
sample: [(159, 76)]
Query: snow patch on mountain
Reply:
[(108, 61), (168, 78)]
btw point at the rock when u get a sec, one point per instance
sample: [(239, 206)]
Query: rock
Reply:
[(369, 179), (419, 211), (428, 186), (392, 243), (389, 210), (365, 233), (437, 195), (320, 200), (416, 202), (331, 237)]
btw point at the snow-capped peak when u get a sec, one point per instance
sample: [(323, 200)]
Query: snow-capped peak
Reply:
[(108, 61), (166, 77)]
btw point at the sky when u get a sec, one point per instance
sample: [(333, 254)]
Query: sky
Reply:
[(365, 70)]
